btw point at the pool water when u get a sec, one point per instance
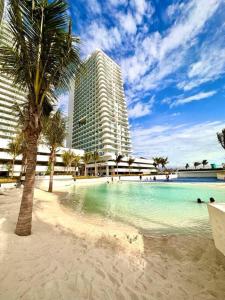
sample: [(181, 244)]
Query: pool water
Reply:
[(155, 208)]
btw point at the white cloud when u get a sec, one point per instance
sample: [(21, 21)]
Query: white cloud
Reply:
[(139, 110), (94, 6), (127, 22), (158, 56), (196, 97), (182, 144), (209, 67), (98, 36)]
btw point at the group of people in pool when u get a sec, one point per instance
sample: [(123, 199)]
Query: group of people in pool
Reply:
[(211, 200)]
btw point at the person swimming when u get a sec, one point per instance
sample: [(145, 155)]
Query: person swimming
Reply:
[(212, 200), (199, 201)]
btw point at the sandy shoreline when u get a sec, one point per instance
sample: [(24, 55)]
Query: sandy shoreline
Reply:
[(70, 257)]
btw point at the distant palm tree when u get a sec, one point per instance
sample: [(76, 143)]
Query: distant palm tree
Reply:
[(86, 159), (204, 163), (42, 58), (221, 138), (15, 149), (95, 158), (157, 161), (196, 164), (187, 166), (68, 158), (118, 159), (164, 162), (130, 162), (54, 132), (76, 162)]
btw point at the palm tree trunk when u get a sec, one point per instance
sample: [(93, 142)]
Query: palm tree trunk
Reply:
[(52, 166), (85, 170), (95, 169), (13, 163), (24, 223)]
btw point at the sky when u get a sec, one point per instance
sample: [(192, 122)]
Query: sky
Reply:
[(172, 55)]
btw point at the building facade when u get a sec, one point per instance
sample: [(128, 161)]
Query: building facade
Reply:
[(100, 120), (9, 94)]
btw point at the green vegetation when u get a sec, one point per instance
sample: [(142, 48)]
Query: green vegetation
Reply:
[(117, 161), (54, 134), (42, 59), (15, 149), (130, 162)]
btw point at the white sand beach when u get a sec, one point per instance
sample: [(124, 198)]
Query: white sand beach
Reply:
[(72, 257)]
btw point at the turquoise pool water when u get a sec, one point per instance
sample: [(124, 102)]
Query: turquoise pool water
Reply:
[(153, 208)]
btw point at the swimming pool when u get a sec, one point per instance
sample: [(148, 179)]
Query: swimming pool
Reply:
[(155, 208)]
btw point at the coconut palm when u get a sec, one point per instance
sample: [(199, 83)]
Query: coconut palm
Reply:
[(86, 159), (204, 163), (221, 138), (118, 159), (187, 166), (130, 162), (196, 164), (95, 158), (76, 162), (164, 162), (15, 149), (156, 161), (42, 58), (68, 158), (54, 132)]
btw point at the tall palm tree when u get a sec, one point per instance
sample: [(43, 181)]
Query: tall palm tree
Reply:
[(42, 58), (196, 164), (204, 163), (221, 138), (86, 159), (187, 166), (130, 162), (118, 159), (15, 149), (68, 158), (96, 157), (55, 132), (76, 162)]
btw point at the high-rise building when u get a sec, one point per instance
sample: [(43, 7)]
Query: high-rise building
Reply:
[(9, 94), (99, 115)]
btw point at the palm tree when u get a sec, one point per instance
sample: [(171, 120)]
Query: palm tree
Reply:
[(42, 58), (68, 158), (221, 138), (1, 9), (196, 164), (164, 161), (55, 132), (118, 159), (76, 162), (86, 159), (187, 166), (157, 161), (204, 163), (130, 162), (15, 149), (96, 157)]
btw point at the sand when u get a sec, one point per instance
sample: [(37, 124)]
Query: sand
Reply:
[(73, 257)]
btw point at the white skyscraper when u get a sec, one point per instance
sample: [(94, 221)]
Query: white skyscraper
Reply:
[(99, 115)]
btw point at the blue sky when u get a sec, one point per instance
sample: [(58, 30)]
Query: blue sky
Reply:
[(172, 55)]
